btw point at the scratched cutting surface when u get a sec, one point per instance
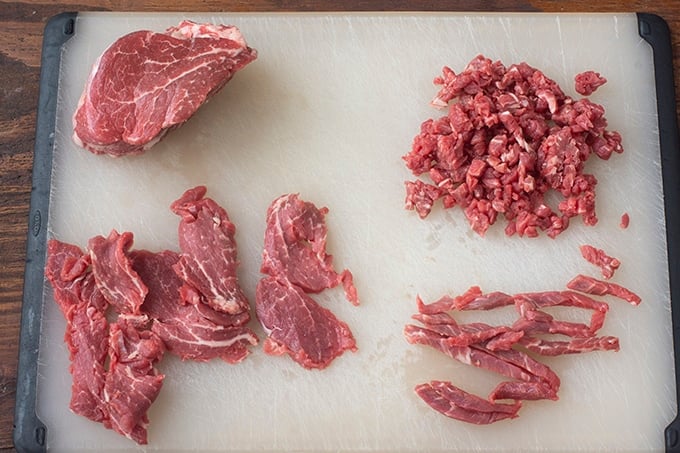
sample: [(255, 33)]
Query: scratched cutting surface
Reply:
[(327, 110)]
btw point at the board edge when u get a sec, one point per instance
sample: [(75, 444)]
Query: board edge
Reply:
[(30, 433), (654, 29)]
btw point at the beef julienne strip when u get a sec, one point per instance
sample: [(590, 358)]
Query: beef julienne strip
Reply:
[(455, 403), (515, 390), (597, 287), (573, 346), (607, 264), (510, 363)]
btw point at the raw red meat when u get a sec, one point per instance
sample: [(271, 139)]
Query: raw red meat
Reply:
[(208, 262), (191, 331), (453, 402), (295, 247), (625, 220), (310, 334), (132, 382), (514, 364), (530, 391), (573, 346), (161, 300), (510, 136), (118, 282), (145, 84), (598, 257), (587, 82), (83, 306), (591, 285)]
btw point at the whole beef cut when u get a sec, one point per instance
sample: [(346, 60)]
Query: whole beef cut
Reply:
[(296, 262), (148, 83)]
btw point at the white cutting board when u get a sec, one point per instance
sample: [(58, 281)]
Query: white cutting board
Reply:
[(327, 110)]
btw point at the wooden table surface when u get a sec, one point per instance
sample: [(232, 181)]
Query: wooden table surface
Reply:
[(21, 28)]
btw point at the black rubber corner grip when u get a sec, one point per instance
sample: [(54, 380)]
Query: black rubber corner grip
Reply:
[(655, 31), (30, 434)]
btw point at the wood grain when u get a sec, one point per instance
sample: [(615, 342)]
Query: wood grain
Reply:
[(21, 27)]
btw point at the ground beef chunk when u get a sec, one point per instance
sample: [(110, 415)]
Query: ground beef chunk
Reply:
[(296, 262), (145, 84), (510, 136), (587, 82), (598, 257), (625, 220)]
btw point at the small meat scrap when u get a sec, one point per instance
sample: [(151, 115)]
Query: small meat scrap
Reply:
[(296, 262), (208, 262), (295, 247), (453, 402), (625, 220), (146, 84), (607, 264), (510, 136), (587, 82), (589, 285)]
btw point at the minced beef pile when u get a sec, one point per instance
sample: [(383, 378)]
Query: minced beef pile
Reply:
[(510, 135)]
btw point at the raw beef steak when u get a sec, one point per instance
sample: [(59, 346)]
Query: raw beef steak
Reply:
[(147, 83)]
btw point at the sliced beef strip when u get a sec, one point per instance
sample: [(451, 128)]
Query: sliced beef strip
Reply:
[(132, 382), (572, 346), (190, 331), (118, 282), (295, 247), (587, 82), (145, 84), (590, 285), (513, 364), (298, 326), (455, 403), (208, 262)]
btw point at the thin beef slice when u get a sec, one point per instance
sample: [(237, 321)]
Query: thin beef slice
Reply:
[(297, 325), (132, 382), (208, 262), (146, 83), (447, 399), (192, 331), (86, 336), (295, 247), (118, 282)]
